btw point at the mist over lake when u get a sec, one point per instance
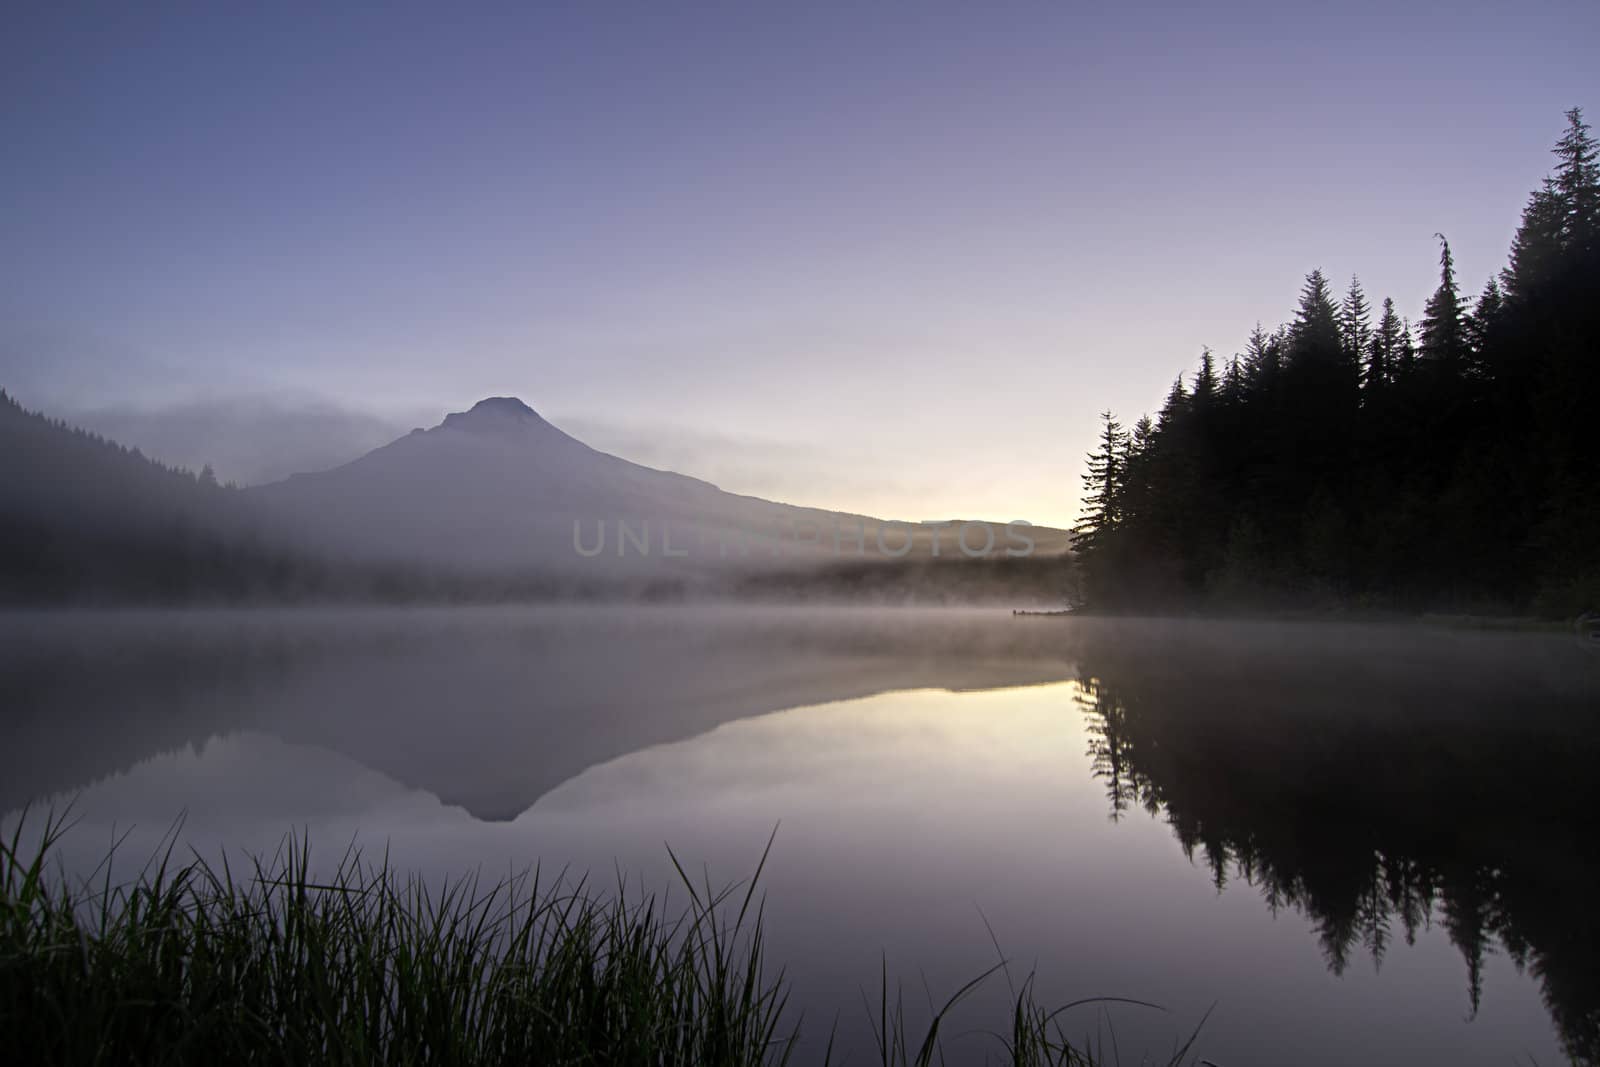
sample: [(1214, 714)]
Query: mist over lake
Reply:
[(711, 535), (1260, 820)]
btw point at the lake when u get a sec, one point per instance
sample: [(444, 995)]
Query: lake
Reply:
[(1347, 843)]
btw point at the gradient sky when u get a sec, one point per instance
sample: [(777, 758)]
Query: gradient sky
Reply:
[(886, 257)]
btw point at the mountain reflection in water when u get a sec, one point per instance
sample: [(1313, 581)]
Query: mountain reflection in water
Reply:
[(1375, 779)]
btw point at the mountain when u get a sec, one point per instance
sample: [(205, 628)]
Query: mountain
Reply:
[(498, 488), (484, 506)]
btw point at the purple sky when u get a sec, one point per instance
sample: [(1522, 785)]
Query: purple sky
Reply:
[(885, 257)]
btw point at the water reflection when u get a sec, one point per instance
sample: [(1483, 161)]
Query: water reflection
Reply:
[(1376, 786), (485, 709), (1372, 786)]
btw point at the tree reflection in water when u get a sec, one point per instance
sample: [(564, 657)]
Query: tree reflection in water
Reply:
[(1376, 789)]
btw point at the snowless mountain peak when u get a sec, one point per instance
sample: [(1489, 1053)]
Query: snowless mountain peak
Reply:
[(502, 405), (493, 413)]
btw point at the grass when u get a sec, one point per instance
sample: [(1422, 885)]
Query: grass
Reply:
[(192, 963)]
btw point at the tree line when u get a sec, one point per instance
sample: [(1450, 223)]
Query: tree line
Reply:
[(1351, 458)]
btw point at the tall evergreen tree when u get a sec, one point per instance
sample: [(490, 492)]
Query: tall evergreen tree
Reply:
[(1315, 425), (1233, 382), (1263, 358), (1483, 323), (1536, 249), (1176, 405), (1577, 178), (1330, 456), (1204, 394), (1316, 325), (1406, 364), (1102, 486), (1383, 355), (1444, 333), (1355, 322)]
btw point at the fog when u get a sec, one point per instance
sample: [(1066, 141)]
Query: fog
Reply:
[(492, 504), (1193, 811), (245, 438)]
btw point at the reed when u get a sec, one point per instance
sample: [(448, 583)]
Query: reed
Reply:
[(200, 963)]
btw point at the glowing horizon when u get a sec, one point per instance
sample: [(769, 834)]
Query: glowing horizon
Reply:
[(888, 263)]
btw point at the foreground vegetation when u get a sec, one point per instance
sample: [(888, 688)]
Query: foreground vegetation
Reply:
[(194, 963)]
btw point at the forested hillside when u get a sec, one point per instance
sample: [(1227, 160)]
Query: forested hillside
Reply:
[(83, 518), (1349, 458)]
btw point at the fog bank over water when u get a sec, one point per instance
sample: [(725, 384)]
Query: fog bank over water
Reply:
[(430, 694), (1262, 816)]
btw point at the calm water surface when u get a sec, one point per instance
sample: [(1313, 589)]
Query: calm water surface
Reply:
[(1352, 844)]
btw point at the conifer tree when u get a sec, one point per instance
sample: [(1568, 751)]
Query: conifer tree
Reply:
[(1233, 382), (1204, 394), (1444, 335), (1263, 356), (1537, 247), (1355, 322), (1329, 454), (1102, 486), (1315, 424), (1176, 406), (1406, 363), (1383, 356), (1577, 179), (1316, 325), (1483, 323)]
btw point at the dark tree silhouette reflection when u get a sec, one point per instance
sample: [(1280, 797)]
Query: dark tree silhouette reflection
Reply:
[(1377, 789)]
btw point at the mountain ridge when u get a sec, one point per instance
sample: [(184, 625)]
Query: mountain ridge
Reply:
[(493, 503), (500, 486)]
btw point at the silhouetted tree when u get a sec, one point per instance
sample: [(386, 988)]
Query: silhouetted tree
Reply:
[(1335, 458), (1383, 356), (1102, 487), (1355, 322), (1444, 333), (1347, 807)]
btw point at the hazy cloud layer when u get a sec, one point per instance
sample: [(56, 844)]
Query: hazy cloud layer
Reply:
[(249, 439), (818, 474)]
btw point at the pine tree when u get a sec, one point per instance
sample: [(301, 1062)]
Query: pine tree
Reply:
[(1406, 364), (1329, 449), (1483, 323), (1315, 424), (1315, 332), (1444, 334), (1135, 496), (1176, 405), (1563, 330), (1263, 358), (1383, 355), (1233, 382), (1326, 378), (1355, 322), (1204, 394), (1577, 179), (1144, 432), (1102, 484), (1536, 250)]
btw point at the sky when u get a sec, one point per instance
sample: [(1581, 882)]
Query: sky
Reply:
[(887, 258)]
